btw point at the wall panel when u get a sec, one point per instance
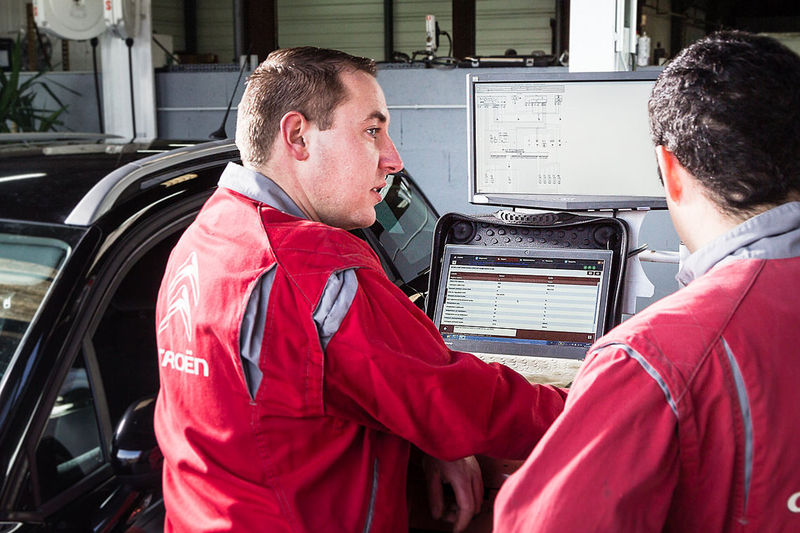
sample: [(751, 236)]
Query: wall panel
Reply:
[(168, 19), (215, 29), (354, 26), (518, 24)]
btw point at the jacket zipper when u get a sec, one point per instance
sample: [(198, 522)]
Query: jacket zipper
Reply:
[(372, 497)]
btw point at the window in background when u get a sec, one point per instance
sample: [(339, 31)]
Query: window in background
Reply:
[(522, 25), (215, 29), (355, 27), (168, 19), (409, 24)]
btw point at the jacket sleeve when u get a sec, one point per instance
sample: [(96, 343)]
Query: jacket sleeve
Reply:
[(609, 463), (386, 367)]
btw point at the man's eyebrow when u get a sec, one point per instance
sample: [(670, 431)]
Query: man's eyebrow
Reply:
[(380, 117)]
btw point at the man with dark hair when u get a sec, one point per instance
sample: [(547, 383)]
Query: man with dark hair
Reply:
[(294, 374), (683, 417)]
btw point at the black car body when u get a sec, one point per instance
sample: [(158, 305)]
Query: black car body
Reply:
[(85, 231)]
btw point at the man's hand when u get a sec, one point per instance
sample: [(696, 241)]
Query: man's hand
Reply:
[(464, 476)]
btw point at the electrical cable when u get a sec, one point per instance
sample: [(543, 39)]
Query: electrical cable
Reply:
[(94, 41), (438, 62), (418, 53), (129, 44), (637, 251), (444, 62), (450, 40), (175, 58)]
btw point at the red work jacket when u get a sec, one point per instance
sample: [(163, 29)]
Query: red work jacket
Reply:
[(323, 445), (682, 419)]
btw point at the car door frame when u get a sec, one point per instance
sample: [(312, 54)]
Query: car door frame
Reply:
[(120, 250)]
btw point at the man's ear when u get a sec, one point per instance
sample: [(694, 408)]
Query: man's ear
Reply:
[(672, 172), (293, 127)]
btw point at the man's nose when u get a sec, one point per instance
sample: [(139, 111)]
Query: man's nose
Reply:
[(390, 160)]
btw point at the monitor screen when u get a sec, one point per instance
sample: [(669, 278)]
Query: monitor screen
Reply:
[(522, 302), (562, 141)]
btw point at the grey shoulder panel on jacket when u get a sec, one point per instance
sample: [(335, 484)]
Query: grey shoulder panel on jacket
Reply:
[(333, 306)]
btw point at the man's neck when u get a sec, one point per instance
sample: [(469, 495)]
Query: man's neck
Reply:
[(710, 221), (287, 181), (702, 220)]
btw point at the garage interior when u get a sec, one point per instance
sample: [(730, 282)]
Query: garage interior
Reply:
[(198, 54)]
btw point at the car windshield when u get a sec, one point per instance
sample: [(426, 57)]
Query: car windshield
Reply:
[(404, 227), (28, 266)]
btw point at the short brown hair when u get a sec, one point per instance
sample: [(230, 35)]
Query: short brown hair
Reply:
[(303, 79)]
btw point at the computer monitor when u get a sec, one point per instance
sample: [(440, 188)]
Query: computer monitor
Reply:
[(528, 302), (570, 141)]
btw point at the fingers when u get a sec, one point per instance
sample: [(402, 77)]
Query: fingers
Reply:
[(433, 477), (477, 489), (464, 477), (467, 505)]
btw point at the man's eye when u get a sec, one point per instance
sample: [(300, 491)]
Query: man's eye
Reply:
[(373, 132)]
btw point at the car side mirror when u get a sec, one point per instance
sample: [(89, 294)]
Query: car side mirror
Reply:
[(135, 455)]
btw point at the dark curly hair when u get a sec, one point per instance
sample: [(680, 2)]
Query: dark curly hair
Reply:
[(304, 79), (728, 108)]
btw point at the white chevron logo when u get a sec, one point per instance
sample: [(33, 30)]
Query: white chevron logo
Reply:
[(183, 293)]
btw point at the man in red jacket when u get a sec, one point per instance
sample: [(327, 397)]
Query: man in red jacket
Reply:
[(683, 418), (294, 374)]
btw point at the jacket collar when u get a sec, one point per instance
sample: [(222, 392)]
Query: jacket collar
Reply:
[(258, 187), (773, 234)]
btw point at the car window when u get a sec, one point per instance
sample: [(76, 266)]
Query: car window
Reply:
[(70, 448), (125, 338), (117, 365), (404, 227), (28, 267)]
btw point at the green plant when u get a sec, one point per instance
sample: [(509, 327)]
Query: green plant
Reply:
[(18, 110)]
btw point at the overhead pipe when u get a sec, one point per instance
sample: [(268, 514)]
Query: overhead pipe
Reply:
[(239, 31), (388, 29)]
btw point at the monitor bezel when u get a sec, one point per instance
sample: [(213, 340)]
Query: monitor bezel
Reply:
[(559, 202), (556, 351)]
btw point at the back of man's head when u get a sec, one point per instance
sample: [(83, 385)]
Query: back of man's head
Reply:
[(304, 79), (728, 108)]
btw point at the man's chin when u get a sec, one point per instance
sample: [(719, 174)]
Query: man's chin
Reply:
[(362, 222)]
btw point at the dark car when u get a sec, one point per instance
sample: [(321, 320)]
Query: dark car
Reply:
[(85, 232)]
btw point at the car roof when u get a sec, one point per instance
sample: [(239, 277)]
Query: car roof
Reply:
[(77, 182)]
